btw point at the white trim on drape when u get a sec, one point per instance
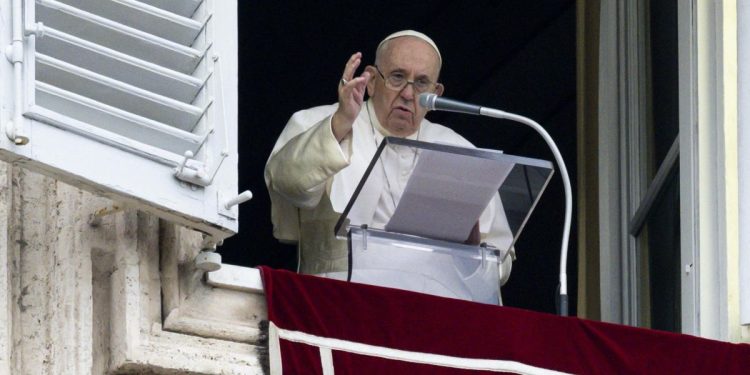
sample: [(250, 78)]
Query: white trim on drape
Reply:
[(329, 344)]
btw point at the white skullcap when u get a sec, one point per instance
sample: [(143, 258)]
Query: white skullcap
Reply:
[(415, 34)]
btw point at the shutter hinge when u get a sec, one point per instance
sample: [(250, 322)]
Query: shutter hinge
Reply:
[(195, 173), (14, 53)]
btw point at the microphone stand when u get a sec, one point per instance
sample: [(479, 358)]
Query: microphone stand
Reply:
[(433, 102), (495, 113)]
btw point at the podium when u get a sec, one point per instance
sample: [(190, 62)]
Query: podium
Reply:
[(434, 195)]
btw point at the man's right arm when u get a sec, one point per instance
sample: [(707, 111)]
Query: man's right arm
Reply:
[(304, 159)]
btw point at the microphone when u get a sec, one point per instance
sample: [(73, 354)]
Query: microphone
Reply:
[(434, 103)]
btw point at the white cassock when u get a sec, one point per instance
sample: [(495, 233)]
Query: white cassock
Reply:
[(311, 177)]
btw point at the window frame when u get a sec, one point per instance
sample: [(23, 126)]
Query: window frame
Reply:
[(705, 133)]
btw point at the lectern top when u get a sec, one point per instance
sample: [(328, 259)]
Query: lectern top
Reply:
[(440, 191)]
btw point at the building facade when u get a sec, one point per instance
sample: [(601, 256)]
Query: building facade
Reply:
[(99, 278)]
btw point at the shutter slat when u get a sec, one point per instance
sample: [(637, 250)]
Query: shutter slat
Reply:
[(117, 94), (144, 17), (118, 37), (185, 8), (115, 120), (119, 66), (70, 125)]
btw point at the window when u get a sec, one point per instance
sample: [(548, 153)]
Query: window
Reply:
[(641, 115), (666, 104), (135, 100), (656, 222)]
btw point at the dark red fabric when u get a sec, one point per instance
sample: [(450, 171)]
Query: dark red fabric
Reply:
[(417, 322)]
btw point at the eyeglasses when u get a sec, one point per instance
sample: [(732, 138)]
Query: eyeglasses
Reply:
[(397, 81)]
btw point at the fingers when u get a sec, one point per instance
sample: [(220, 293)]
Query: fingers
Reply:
[(354, 89), (359, 85), (351, 92), (356, 82), (351, 66), (351, 86)]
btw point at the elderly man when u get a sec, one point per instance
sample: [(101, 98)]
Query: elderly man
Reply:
[(323, 152)]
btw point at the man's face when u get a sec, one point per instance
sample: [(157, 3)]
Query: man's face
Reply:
[(399, 111)]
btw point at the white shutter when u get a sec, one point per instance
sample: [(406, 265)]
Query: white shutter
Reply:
[(134, 99)]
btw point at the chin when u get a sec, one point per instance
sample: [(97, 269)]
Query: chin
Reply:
[(401, 125), (402, 130)]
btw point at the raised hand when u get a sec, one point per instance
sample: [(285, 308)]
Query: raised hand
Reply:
[(351, 96)]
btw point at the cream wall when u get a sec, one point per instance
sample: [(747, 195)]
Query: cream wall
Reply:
[(743, 164), (731, 329), (718, 120)]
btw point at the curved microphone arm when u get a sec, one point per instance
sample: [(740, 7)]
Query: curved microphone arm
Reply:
[(568, 195), (433, 102)]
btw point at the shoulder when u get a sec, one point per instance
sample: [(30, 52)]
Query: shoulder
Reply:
[(311, 116), (302, 121), (434, 132)]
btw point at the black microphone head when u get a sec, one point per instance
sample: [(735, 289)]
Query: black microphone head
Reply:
[(427, 100)]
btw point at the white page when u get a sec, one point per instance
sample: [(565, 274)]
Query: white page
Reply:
[(446, 194)]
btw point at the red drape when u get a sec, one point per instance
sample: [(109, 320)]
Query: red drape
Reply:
[(422, 323)]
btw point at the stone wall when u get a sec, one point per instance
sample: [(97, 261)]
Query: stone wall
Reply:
[(77, 298)]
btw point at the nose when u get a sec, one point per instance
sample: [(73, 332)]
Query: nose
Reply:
[(408, 91)]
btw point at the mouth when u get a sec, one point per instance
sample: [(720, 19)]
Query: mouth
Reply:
[(403, 110)]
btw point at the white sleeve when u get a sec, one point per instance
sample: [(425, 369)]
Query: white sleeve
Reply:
[(303, 161)]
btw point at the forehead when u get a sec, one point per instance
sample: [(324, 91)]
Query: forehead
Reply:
[(412, 55)]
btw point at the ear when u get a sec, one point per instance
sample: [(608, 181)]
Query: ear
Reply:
[(439, 88), (371, 82)]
